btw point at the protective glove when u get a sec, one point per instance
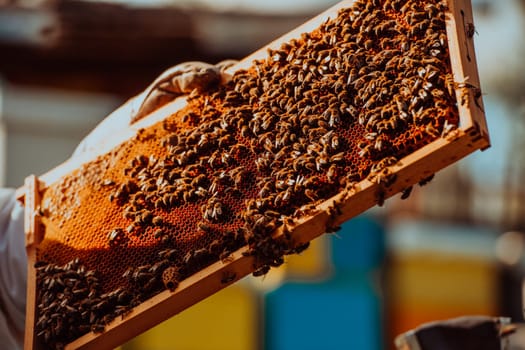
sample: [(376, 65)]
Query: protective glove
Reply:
[(180, 80), (176, 81), (462, 333)]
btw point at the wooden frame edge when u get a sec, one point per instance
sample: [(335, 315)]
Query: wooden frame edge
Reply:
[(463, 62), (33, 236)]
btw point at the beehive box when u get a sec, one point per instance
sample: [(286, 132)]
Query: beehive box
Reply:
[(358, 104)]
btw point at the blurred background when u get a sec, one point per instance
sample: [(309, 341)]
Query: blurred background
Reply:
[(455, 247)]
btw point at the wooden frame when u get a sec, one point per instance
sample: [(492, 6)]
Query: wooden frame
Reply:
[(34, 235), (470, 136)]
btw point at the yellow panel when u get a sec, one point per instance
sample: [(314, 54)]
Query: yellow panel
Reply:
[(225, 321), (430, 286), (428, 278), (312, 263)]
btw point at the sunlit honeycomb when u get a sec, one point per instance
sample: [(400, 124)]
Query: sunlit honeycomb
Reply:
[(322, 112)]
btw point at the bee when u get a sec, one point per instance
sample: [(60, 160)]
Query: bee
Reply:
[(228, 277), (238, 149), (231, 96), (188, 195), (201, 192), (159, 233), (198, 180), (426, 180), (188, 258), (301, 76), (139, 161), (384, 177), (213, 210), (465, 94), (262, 163), (101, 305), (108, 182), (167, 201), (80, 292), (423, 94), (310, 194), (159, 266), (359, 82), (157, 221), (431, 130), (116, 236), (225, 140), (245, 131), (321, 161), (380, 196), (204, 227), (450, 84), (144, 218), (368, 44), (301, 248), (171, 140), (448, 130), (406, 192), (385, 162), (200, 253), (97, 328), (276, 262), (46, 334), (225, 256), (214, 247), (280, 185), (338, 157), (238, 175), (332, 173), (169, 254), (140, 277), (287, 195), (470, 30), (261, 271)]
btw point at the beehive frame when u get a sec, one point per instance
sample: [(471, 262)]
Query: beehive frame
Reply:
[(471, 135)]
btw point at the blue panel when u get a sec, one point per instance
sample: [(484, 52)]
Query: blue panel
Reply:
[(360, 244), (342, 314)]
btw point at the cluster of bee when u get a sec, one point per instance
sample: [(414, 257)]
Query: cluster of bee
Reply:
[(337, 105), (71, 303)]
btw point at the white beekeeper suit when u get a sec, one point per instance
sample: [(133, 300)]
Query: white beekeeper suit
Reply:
[(13, 271)]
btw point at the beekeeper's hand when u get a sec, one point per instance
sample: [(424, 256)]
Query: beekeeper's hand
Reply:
[(176, 81), (462, 333)]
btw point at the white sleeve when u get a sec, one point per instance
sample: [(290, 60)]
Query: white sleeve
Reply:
[(13, 271), (101, 136)]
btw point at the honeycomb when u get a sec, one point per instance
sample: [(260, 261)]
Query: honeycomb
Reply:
[(324, 111)]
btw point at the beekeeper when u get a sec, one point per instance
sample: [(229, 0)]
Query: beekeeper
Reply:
[(176, 81)]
